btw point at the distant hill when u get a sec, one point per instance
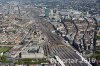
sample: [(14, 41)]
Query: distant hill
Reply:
[(5, 0), (89, 1), (98, 1)]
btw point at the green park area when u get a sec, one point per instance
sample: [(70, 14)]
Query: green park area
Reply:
[(98, 37), (4, 49), (96, 55), (3, 59)]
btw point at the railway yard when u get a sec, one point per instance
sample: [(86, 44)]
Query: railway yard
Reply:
[(61, 37)]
